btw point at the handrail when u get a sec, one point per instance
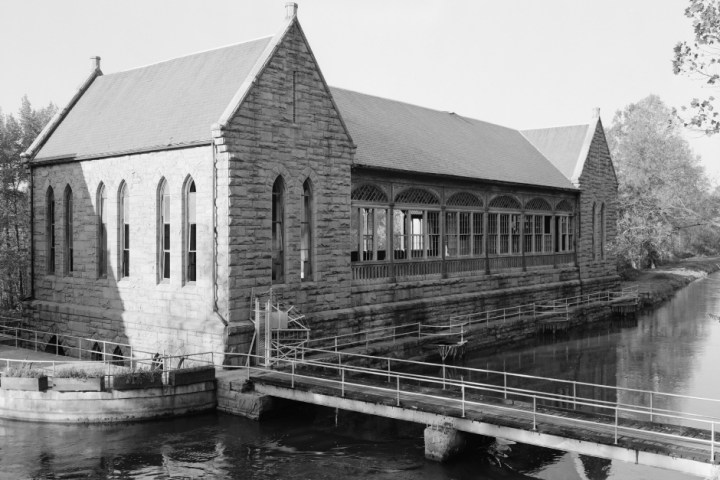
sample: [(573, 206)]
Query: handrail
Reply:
[(344, 369), (650, 393)]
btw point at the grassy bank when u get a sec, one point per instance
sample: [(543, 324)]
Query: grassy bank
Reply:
[(660, 283)]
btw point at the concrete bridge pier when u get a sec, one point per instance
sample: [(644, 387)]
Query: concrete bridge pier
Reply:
[(444, 442)]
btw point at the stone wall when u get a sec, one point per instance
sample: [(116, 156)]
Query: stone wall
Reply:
[(598, 185), (152, 314), (287, 126)]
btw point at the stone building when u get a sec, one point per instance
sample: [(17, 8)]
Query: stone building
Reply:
[(165, 197)]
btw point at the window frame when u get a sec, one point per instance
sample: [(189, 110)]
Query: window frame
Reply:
[(102, 249), (278, 231), (50, 231), (68, 226), (190, 236), (307, 232), (124, 230), (164, 232)]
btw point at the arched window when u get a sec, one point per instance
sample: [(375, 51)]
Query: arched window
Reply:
[(50, 230), (102, 231), (97, 354), (594, 231), (306, 233), (278, 231), (164, 231), (117, 357), (124, 230), (69, 266), (602, 231), (191, 229), (54, 347)]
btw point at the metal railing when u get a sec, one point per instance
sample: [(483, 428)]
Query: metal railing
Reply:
[(558, 308), (118, 365), (598, 414)]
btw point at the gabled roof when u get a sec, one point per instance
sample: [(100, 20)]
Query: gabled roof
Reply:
[(172, 103), (399, 136), (566, 147)]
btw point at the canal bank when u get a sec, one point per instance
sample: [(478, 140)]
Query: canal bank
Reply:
[(658, 284)]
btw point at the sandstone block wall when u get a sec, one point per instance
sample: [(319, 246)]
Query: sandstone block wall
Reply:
[(598, 185), (289, 127), (141, 309)]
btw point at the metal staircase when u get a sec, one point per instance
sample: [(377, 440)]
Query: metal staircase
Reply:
[(280, 330)]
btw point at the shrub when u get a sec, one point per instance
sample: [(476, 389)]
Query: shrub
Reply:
[(79, 373), (140, 375), (23, 371)]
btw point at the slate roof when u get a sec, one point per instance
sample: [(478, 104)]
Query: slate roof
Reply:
[(171, 103), (399, 136), (561, 145)]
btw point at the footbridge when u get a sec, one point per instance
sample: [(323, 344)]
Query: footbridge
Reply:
[(651, 428)]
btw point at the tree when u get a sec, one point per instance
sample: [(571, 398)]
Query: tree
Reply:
[(701, 60), (16, 135), (665, 199)]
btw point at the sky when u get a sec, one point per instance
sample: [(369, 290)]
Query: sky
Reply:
[(523, 64)]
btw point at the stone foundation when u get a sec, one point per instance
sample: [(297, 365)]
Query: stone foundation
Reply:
[(443, 443)]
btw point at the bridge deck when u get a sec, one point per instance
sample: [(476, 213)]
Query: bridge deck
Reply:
[(557, 421)]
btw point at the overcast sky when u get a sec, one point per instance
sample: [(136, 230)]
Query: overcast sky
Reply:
[(523, 64)]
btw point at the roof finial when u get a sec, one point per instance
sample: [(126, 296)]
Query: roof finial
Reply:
[(94, 63), (596, 112), (291, 9)]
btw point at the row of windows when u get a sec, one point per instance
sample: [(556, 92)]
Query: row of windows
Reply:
[(417, 234), (124, 223), (278, 232)]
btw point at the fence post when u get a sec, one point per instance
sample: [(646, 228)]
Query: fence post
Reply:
[(505, 384), (616, 424), (367, 348), (443, 370), (394, 335), (712, 443), (342, 382), (336, 344), (534, 412), (16, 338), (79, 348), (292, 375), (418, 331), (463, 400), (36, 341), (574, 396), (398, 390), (388, 370), (651, 406)]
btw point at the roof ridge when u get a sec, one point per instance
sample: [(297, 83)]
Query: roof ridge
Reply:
[(427, 108), (189, 55), (556, 126)]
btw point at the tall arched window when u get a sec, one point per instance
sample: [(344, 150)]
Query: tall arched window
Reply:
[(306, 233), (125, 230), (165, 231), (594, 231), (69, 257), (102, 231), (602, 231), (278, 231), (50, 230), (191, 229)]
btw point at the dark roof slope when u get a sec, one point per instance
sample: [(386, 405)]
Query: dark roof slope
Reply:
[(166, 104), (561, 145), (399, 136)]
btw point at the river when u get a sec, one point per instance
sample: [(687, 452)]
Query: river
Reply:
[(673, 348)]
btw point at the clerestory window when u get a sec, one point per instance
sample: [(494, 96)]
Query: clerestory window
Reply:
[(50, 230), (306, 233), (124, 231), (165, 232), (278, 231)]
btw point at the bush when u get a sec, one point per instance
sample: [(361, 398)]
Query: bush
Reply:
[(140, 375), (79, 373), (24, 371)]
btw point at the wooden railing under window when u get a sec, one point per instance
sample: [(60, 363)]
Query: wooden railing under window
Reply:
[(381, 272)]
